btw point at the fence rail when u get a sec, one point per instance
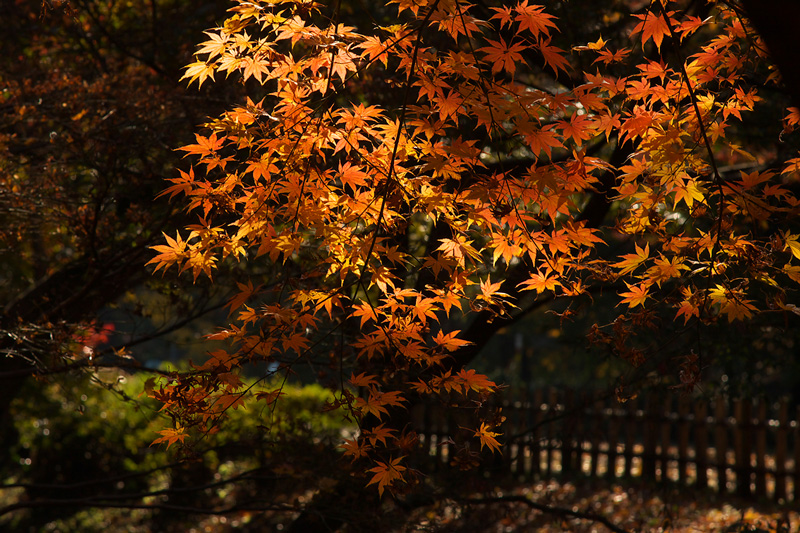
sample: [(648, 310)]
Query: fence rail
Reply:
[(750, 448)]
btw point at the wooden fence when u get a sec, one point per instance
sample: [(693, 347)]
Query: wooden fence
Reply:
[(751, 448)]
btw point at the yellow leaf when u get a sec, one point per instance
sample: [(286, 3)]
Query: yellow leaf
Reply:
[(199, 70), (689, 194), (793, 245)]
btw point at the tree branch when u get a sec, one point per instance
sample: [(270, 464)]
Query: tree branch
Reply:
[(558, 511)]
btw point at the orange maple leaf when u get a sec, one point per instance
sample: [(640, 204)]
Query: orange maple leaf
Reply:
[(540, 283), (632, 261), (652, 26), (553, 56), (637, 295), (487, 437), (449, 341), (363, 380), (387, 473), (171, 436), (474, 381), (533, 18), (503, 56)]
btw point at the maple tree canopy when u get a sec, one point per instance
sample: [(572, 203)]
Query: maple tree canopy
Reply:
[(462, 163)]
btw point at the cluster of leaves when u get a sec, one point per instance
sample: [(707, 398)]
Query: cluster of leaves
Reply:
[(468, 196)]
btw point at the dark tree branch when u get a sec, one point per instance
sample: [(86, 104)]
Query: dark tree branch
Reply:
[(99, 504), (558, 511)]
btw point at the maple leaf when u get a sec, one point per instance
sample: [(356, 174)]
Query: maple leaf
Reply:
[(792, 244), (383, 278), (297, 342), (503, 56), (540, 283), (387, 473), (579, 127), (363, 380), (690, 25), (425, 308), (749, 181), (254, 67), (637, 124), (792, 120), (652, 26), (269, 397), (200, 71), (374, 48), (215, 46), (487, 437), (377, 401), (205, 145), (366, 312), (449, 106), (449, 341), (459, 249), (553, 56), (632, 261), (471, 380), (688, 309), (504, 14), (378, 434), (171, 436), (246, 291), (664, 269), (542, 140), (183, 184), (352, 176), (355, 448), (490, 292), (533, 18), (230, 401), (689, 193), (731, 302), (448, 299), (636, 296), (173, 252), (738, 309)]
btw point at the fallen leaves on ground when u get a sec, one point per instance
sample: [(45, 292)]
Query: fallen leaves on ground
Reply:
[(634, 509)]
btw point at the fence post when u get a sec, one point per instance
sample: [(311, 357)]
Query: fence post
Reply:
[(761, 448), (780, 450), (551, 412), (595, 438), (653, 412), (630, 437), (538, 401), (683, 440), (721, 438), (666, 442), (510, 459), (568, 437), (742, 440), (701, 446), (439, 415), (613, 437), (796, 487)]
